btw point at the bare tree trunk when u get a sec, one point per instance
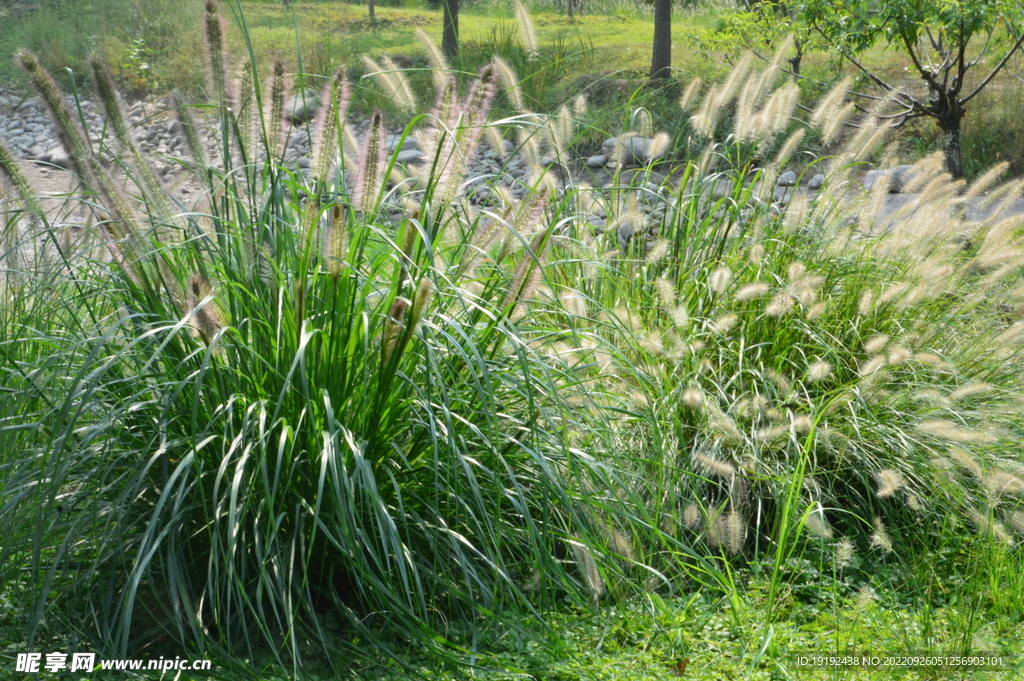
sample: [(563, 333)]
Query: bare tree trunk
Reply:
[(450, 34), (570, 6), (798, 57), (951, 146), (661, 54), (373, 17)]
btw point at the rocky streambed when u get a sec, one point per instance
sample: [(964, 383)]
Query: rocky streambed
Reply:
[(30, 134)]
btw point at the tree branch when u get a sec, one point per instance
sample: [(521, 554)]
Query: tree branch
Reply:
[(997, 69), (928, 76), (875, 79), (960, 58)]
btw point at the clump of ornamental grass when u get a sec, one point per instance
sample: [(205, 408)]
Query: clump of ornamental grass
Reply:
[(808, 378), (299, 418)]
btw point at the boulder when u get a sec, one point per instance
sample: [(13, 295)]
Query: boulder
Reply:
[(636, 150), (596, 161), (302, 106)]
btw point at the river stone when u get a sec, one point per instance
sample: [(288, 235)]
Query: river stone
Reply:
[(782, 195), (409, 156), (787, 179), (410, 143), (302, 106), (898, 178), (816, 182), (636, 150)]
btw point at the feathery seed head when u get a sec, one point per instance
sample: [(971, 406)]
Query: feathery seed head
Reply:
[(899, 355), (334, 242), (966, 462), (1000, 483), (217, 66), (370, 172), (876, 344), (818, 371), (870, 367), (864, 305), (714, 467), (510, 81), (735, 532), (724, 324), (666, 292), (889, 482), (780, 381), (844, 553), (526, 31), (690, 95), (720, 279), (658, 145), (802, 423), (438, 62), (693, 398), (691, 518), (205, 319), (780, 305), (817, 523), (880, 539), (970, 390), (588, 566), (946, 430), (751, 291)]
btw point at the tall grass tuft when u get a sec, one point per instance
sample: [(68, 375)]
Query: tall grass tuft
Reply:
[(286, 426)]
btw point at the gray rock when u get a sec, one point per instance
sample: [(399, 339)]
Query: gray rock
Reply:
[(782, 195), (302, 106), (597, 161), (608, 146), (816, 182), (625, 232), (409, 156), (787, 179), (898, 178), (635, 150), (410, 143)]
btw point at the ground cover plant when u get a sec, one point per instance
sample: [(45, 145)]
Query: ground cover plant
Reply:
[(366, 417)]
